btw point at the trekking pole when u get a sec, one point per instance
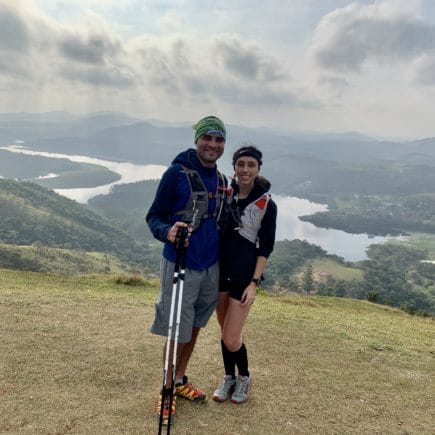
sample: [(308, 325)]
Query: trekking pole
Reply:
[(177, 296)]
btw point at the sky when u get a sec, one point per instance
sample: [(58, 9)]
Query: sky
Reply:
[(293, 65)]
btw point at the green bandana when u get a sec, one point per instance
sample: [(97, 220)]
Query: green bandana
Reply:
[(209, 125)]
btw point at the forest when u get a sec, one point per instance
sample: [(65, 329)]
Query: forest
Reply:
[(379, 215), (35, 216)]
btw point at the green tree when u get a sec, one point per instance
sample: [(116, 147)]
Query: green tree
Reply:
[(307, 279)]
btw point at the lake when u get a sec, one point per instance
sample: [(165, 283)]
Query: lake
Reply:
[(129, 172), (352, 247)]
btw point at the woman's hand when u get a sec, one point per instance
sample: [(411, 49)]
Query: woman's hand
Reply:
[(248, 295)]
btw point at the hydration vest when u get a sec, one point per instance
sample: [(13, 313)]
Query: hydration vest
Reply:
[(250, 220), (197, 205)]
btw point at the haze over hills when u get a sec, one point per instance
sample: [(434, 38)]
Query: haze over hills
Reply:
[(303, 164), (29, 126), (120, 136)]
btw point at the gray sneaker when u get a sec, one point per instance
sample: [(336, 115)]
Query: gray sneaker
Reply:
[(240, 394), (224, 391)]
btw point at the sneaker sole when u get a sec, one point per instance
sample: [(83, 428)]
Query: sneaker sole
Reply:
[(221, 400), (238, 403), (199, 401), (218, 399)]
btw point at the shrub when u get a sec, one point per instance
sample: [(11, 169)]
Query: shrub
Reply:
[(130, 280), (409, 307), (372, 296)]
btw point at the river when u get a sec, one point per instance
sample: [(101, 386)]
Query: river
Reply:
[(352, 247)]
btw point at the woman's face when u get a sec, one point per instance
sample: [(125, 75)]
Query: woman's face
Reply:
[(246, 170)]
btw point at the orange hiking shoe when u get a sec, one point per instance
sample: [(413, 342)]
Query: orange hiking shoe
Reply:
[(189, 392), (166, 408)]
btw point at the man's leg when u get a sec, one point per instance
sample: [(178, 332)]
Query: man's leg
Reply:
[(185, 352), (203, 302), (182, 386)]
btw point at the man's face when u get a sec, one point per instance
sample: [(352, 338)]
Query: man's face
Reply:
[(209, 148)]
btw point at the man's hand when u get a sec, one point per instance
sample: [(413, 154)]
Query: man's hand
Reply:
[(172, 233)]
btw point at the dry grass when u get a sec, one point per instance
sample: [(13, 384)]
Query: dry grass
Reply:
[(76, 357)]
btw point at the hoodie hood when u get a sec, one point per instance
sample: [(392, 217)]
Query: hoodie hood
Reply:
[(189, 158), (261, 185)]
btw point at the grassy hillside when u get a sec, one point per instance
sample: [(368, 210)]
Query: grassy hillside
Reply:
[(39, 258), (126, 206), (422, 241), (76, 357), (336, 270), (32, 214)]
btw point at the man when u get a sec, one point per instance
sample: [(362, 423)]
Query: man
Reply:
[(188, 196)]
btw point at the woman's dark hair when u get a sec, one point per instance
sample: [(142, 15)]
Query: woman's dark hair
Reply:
[(248, 151)]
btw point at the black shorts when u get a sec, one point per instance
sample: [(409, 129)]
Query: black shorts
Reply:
[(235, 288)]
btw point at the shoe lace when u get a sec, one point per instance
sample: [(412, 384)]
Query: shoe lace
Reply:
[(242, 385), (226, 384)]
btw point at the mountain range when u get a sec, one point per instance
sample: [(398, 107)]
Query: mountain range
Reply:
[(121, 137)]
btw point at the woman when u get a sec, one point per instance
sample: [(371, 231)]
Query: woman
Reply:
[(247, 242)]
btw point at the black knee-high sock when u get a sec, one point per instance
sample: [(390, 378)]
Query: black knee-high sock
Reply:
[(241, 360), (229, 363)]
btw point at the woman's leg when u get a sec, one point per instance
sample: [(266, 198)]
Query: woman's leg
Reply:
[(226, 388), (232, 336), (235, 318), (221, 309)]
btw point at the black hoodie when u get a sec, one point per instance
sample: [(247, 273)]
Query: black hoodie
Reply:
[(239, 255)]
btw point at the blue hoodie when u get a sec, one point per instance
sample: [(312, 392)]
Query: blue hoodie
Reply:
[(172, 196)]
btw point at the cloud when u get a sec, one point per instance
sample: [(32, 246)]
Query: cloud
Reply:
[(110, 77), (334, 84), (222, 68), (93, 49), (246, 61), (423, 70), (22, 37), (14, 34), (348, 39), (179, 70), (216, 69), (35, 47)]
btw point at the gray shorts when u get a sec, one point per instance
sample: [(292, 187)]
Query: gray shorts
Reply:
[(200, 296)]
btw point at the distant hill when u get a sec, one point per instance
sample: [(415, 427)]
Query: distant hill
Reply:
[(31, 214), (52, 125), (121, 137), (126, 206)]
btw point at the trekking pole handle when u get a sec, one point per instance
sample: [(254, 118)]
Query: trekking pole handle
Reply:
[(181, 237)]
